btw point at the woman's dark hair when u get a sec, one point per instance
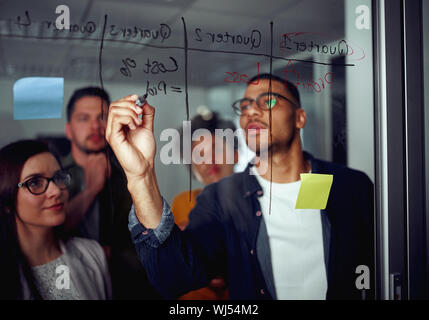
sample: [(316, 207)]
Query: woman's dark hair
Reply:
[(12, 260)]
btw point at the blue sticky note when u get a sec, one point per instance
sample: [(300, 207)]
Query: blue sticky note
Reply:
[(38, 98)]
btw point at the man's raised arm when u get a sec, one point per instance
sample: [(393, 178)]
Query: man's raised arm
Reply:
[(133, 143)]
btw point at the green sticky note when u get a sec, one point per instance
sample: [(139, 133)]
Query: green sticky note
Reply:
[(314, 191)]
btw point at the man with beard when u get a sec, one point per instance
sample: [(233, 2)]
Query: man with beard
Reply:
[(99, 201), (90, 207), (246, 226)]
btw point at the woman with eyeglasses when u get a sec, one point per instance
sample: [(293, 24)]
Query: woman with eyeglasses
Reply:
[(37, 260)]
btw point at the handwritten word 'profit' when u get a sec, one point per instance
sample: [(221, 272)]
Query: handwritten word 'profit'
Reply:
[(307, 82)]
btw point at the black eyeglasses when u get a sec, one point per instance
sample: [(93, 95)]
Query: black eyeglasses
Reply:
[(265, 101), (39, 184)]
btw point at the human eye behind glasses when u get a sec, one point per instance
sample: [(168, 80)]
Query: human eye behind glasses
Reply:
[(62, 178), (244, 104), (36, 183), (267, 100), (39, 183)]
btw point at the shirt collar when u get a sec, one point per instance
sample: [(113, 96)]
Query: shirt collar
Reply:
[(252, 185)]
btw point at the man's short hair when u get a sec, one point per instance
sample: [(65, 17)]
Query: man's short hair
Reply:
[(293, 90), (86, 92)]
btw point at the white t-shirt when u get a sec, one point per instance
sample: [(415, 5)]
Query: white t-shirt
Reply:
[(296, 243)]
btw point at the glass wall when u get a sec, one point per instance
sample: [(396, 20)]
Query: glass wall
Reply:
[(192, 55)]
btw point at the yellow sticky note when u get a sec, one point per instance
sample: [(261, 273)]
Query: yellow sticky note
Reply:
[(314, 191)]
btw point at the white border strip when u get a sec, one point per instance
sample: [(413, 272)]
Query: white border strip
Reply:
[(384, 183)]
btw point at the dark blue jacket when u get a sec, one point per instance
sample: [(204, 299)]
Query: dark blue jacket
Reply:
[(226, 236)]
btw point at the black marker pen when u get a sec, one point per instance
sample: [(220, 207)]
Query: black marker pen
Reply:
[(141, 100)]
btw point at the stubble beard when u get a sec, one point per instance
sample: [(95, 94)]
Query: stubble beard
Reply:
[(273, 148), (90, 151)]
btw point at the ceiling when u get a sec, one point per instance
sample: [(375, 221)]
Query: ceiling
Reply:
[(38, 49)]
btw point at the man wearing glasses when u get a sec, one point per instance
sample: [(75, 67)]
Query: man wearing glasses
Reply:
[(246, 225)]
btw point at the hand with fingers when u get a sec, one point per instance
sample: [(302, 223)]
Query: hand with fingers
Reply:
[(131, 137), (133, 142)]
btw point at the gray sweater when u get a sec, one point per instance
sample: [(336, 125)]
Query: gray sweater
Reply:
[(81, 272)]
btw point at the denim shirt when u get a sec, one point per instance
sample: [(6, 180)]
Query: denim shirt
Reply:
[(227, 236)]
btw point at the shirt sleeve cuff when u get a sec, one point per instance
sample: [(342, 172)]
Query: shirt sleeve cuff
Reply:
[(152, 237)]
